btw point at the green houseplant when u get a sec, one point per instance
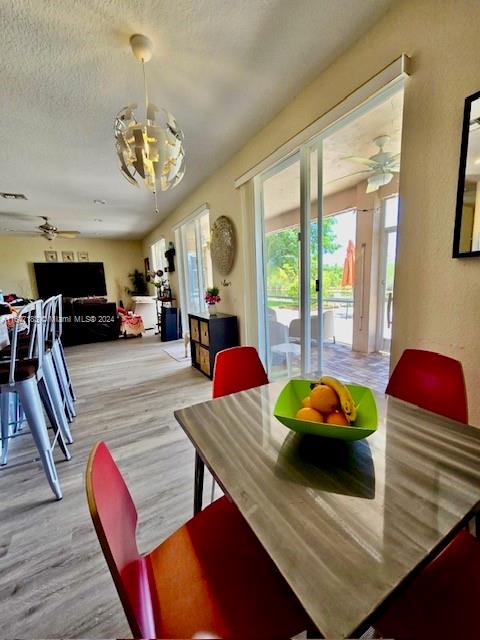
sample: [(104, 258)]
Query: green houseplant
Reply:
[(139, 284)]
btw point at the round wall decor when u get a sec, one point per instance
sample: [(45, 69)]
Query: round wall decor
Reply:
[(222, 245)]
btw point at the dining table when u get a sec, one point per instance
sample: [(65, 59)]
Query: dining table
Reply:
[(348, 524)]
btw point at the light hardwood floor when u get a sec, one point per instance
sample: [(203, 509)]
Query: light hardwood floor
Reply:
[(54, 582)]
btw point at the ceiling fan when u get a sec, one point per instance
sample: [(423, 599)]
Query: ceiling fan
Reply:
[(381, 166), (50, 231)]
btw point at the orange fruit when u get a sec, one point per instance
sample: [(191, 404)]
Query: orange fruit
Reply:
[(338, 418), (323, 398), (306, 413), (306, 402)]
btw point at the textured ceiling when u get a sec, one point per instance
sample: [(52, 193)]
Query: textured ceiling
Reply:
[(223, 67)]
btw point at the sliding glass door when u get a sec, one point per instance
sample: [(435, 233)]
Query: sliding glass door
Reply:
[(195, 273), (388, 248), (287, 199), (280, 203), (317, 211)]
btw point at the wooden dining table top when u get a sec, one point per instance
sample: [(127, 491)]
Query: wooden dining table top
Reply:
[(346, 523)]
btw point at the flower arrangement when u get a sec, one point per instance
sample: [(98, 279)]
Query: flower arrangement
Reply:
[(161, 283), (211, 295)]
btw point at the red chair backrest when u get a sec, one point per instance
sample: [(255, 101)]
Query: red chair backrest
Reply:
[(115, 519), (431, 381), (237, 369)]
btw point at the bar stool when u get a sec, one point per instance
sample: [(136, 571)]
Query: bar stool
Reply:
[(52, 321), (27, 349), (58, 346), (26, 378)]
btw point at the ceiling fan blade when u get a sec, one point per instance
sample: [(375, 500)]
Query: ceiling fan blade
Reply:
[(19, 232), (68, 234), (394, 158), (17, 216), (360, 160), (349, 175)]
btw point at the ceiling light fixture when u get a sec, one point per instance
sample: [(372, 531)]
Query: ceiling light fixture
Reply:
[(153, 150), (96, 201), (378, 180)]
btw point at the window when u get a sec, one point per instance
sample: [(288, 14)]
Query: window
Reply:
[(193, 241), (158, 255)]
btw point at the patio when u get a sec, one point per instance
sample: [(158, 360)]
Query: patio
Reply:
[(369, 369)]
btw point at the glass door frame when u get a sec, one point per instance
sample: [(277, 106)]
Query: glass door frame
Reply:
[(384, 344), (303, 152), (303, 155), (182, 265)]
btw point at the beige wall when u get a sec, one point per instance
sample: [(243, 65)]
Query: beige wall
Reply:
[(437, 303), (18, 253)]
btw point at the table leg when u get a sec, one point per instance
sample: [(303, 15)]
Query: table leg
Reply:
[(198, 487)]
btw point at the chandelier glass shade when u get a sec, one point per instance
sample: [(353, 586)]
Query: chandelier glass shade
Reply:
[(153, 148)]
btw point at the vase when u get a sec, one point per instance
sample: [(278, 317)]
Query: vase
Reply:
[(212, 309)]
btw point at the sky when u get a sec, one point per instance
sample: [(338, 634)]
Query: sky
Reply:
[(344, 228)]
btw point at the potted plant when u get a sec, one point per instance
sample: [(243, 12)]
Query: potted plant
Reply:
[(139, 284), (211, 298)]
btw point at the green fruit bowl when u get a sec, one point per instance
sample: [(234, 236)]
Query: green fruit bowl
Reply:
[(290, 401)]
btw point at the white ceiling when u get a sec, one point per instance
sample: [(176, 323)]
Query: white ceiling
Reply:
[(224, 68), (282, 190)]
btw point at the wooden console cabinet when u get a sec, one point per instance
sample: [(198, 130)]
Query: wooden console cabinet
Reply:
[(208, 336)]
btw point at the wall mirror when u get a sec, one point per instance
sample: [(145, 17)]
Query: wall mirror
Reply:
[(466, 241)]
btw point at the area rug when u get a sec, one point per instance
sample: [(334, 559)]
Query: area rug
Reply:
[(176, 350)]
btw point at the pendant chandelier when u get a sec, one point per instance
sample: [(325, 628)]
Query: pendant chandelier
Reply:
[(152, 149)]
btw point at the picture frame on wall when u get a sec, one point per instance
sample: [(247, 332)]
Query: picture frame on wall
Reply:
[(68, 256), (51, 256), (82, 256)]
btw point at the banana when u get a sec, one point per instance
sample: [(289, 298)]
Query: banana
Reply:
[(346, 401)]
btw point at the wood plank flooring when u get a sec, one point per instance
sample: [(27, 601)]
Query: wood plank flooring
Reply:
[(54, 582)]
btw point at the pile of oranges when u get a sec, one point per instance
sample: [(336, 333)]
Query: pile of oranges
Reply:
[(322, 405)]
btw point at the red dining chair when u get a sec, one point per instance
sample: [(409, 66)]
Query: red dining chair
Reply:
[(441, 602), (211, 576), (431, 381), (237, 369)]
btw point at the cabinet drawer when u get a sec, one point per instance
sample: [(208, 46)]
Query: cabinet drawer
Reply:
[(204, 339), (204, 360), (194, 330)]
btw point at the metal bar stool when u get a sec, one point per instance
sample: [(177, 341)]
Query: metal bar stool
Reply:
[(26, 378), (58, 347), (52, 346), (27, 349)]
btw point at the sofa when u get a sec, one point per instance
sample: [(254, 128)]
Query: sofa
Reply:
[(89, 320)]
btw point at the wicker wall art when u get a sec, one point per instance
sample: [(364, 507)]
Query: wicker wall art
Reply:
[(222, 245)]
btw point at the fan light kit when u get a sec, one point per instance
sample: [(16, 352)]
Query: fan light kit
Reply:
[(50, 232), (152, 149), (381, 166)]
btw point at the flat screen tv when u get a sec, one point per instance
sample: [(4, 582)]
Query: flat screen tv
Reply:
[(72, 279)]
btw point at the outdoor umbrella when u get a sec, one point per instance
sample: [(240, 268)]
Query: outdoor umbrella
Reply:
[(348, 277)]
